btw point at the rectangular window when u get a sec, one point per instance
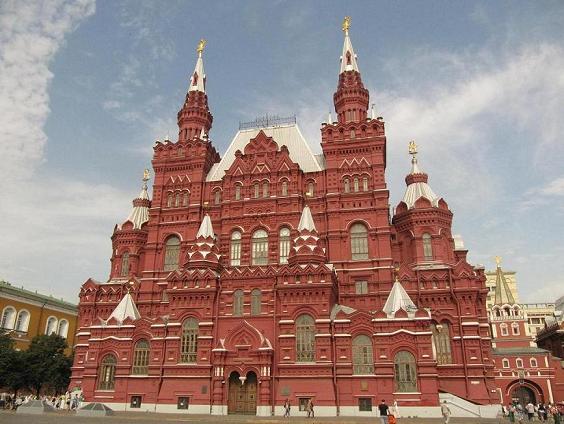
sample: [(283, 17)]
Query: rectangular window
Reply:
[(237, 192), (256, 190), (504, 331), (361, 287), (135, 402), (303, 403), (182, 403), (235, 252), (365, 404)]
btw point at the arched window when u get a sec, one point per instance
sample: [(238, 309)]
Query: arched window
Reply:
[(255, 302), (265, 189), (260, 248), (107, 373), (427, 247), (365, 184), (284, 245), (235, 248), (405, 373), (186, 198), (169, 200), (22, 323), (356, 185), (217, 197), (177, 200), (441, 339), (347, 185), (238, 303), (125, 264), (141, 358), (305, 339), (519, 363), (51, 326), (310, 189), (504, 331), (8, 318), (172, 253), (515, 329), (359, 242), (534, 363), (189, 341), (256, 190), (363, 361), (284, 188), (63, 328), (505, 363), (237, 191)]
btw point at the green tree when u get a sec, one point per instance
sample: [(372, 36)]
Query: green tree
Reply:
[(46, 363), (12, 365)]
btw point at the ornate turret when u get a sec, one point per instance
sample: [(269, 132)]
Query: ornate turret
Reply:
[(423, 220), (416, 181), (307, 247), (204, 252), (139, 215), (351, 98), (195, 119)]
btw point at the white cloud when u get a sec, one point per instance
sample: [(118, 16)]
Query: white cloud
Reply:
[(554, 188), (44, 219), (30, 35)]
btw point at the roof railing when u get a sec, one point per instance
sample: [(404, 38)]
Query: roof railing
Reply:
[(267, 121)]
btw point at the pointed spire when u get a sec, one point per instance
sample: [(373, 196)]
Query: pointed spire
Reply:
[(198, 78), (416, 181), (398, 299), (206, 228), (125, 309), (306, 220), (140, 212), (348, 58), (329, 118), (373, 112), (503, 295)]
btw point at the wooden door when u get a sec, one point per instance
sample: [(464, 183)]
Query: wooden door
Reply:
[(242, 398)]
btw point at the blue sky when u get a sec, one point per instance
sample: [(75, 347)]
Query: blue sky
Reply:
[(86, 88)]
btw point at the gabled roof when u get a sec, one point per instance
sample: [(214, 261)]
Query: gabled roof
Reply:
[(125, 309), (288, 135), (398, 299)]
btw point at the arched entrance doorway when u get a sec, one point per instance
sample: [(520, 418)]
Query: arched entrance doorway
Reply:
[(523, 395), (242, 393)]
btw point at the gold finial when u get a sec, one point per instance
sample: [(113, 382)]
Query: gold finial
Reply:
[(201, 46), (346, 24), (498, 261), (146, 175), (412, 148)]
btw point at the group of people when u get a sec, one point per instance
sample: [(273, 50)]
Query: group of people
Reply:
[(68, 401), (518, 413)]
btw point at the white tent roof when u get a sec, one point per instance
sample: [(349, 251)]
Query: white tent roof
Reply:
[(347, 47), (125, 309), (415, 191), (206, 228), (288, 135), (199, 84), (398, 299), (306, 220), (139, 214)]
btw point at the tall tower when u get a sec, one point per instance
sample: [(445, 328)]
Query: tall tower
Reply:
[(195, 118), (357, 198)]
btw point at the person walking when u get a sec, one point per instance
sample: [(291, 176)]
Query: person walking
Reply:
[(511, 413), (287, 408), (445, 411), (309, 408), (384, 410), (530, 408)]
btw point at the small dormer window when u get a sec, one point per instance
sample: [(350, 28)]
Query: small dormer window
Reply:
[(195, 79), (348, 58)]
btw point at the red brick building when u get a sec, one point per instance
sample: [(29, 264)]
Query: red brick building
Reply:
[(268, 274), (524, 372)]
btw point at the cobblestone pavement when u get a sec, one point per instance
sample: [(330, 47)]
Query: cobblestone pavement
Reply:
[(8, 417)]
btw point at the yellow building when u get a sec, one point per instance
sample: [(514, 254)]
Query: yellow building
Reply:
[(26, 314), (535, 312)]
